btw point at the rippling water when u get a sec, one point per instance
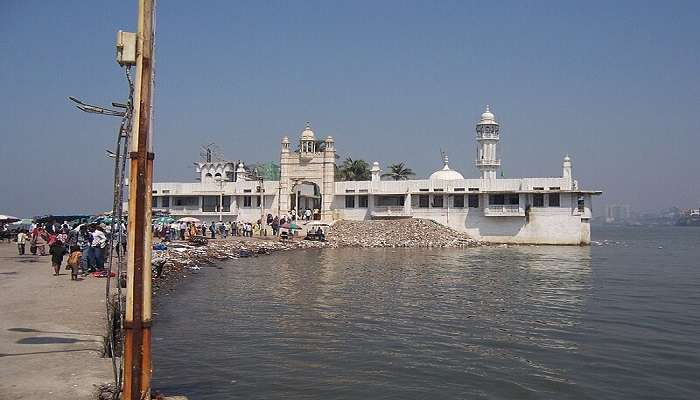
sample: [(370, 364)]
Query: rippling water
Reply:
[(619, 320)]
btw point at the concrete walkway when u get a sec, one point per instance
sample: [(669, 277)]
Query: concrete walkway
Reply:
[(51, 330)]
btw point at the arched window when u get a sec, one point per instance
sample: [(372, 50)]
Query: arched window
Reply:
[(208, 175), (217, 175)]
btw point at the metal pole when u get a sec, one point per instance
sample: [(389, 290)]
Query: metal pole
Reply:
[(137, 322), (221, 200)]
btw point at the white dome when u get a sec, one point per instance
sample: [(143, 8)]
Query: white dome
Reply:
[(307, 133), (487, 117), (445, 174)]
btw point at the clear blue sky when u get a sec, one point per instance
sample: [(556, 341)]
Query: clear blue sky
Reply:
[(614, 84)]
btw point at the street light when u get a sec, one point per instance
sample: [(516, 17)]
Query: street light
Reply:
[(93, 109)]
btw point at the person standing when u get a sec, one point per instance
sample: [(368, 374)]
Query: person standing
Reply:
[(275, 226), (99, 241), (21, 241), (212, 229), (85, 244), (183, 228)]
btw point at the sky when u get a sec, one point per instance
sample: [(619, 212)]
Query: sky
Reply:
[(613, 84)]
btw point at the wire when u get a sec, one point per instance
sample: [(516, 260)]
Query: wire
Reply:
[(114, 309)]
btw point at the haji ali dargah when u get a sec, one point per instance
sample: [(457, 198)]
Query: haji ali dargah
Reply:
[(550, 210)]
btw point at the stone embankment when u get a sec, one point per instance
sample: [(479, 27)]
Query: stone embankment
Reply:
[(181, 259)]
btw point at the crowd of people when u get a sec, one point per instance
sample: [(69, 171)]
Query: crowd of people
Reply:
[(85, 244), (272, 225)]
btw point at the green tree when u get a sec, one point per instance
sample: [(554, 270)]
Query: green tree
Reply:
[(399, 172), (354, 170)]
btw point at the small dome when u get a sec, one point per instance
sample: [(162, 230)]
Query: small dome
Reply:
[(285, 140), (329, 138), (307, 133), (487, 117), (445, 174), (567, 158)]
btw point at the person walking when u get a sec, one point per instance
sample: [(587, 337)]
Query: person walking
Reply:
[(57, 250), (39, 238), (21, 241), (183, 228)]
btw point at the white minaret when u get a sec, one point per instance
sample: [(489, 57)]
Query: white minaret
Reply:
[(487, 137), (567, 173)]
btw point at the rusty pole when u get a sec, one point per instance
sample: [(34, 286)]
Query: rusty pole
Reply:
[(137, 321)]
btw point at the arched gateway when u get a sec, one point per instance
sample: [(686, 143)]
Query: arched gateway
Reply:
[(307, 176)]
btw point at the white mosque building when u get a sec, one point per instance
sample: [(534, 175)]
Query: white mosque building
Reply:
[(491, 209)]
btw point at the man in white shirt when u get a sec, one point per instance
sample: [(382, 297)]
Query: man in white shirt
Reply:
[(99, 241)]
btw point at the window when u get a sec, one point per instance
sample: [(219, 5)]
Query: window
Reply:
[(226, 204), (497, 199), (247, 190), (349, 190), (186, 201), (349, 201), (422, 190), (247, 201), (581, 204), (154, 201), (473, 201), (439, 190), (423, 201), (384, 201), (553, 199), (538, 188), (459, 201), (459, 189), (165, 202), (210, 203), (257, 201), (438, 201), (473, 189), (513, 199), (554, 188), (363, 201), (538, 200)]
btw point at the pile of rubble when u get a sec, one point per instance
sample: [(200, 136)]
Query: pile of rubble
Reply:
[(413, 232), (180, 259)]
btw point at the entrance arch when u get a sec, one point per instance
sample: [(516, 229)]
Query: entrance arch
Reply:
[(306, 195)]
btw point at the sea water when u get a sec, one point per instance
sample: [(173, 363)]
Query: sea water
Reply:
[(617, 320)]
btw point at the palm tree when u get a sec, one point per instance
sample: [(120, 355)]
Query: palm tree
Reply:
[(399, 172), (354, 170)]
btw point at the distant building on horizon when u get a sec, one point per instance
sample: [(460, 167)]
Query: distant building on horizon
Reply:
[(551, 210), (617, 213)]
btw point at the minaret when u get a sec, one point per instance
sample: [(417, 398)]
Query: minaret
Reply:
[(567, 173), (487, 137)]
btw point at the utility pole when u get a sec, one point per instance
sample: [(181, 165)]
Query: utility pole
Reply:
[(137, 322)]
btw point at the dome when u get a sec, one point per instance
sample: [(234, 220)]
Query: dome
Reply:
[(307, 133), (487, 117), (445, 174)]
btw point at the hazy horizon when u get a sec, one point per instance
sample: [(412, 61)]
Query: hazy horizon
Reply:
[(614, 85)]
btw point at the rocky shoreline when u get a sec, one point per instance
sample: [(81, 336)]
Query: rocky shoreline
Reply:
[(181, 259)]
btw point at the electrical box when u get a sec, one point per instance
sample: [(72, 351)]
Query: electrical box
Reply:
[(126, 48)]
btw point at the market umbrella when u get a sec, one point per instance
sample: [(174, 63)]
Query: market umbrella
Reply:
[(290, 226), (188, 219), (164, 220), (8, 219)]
